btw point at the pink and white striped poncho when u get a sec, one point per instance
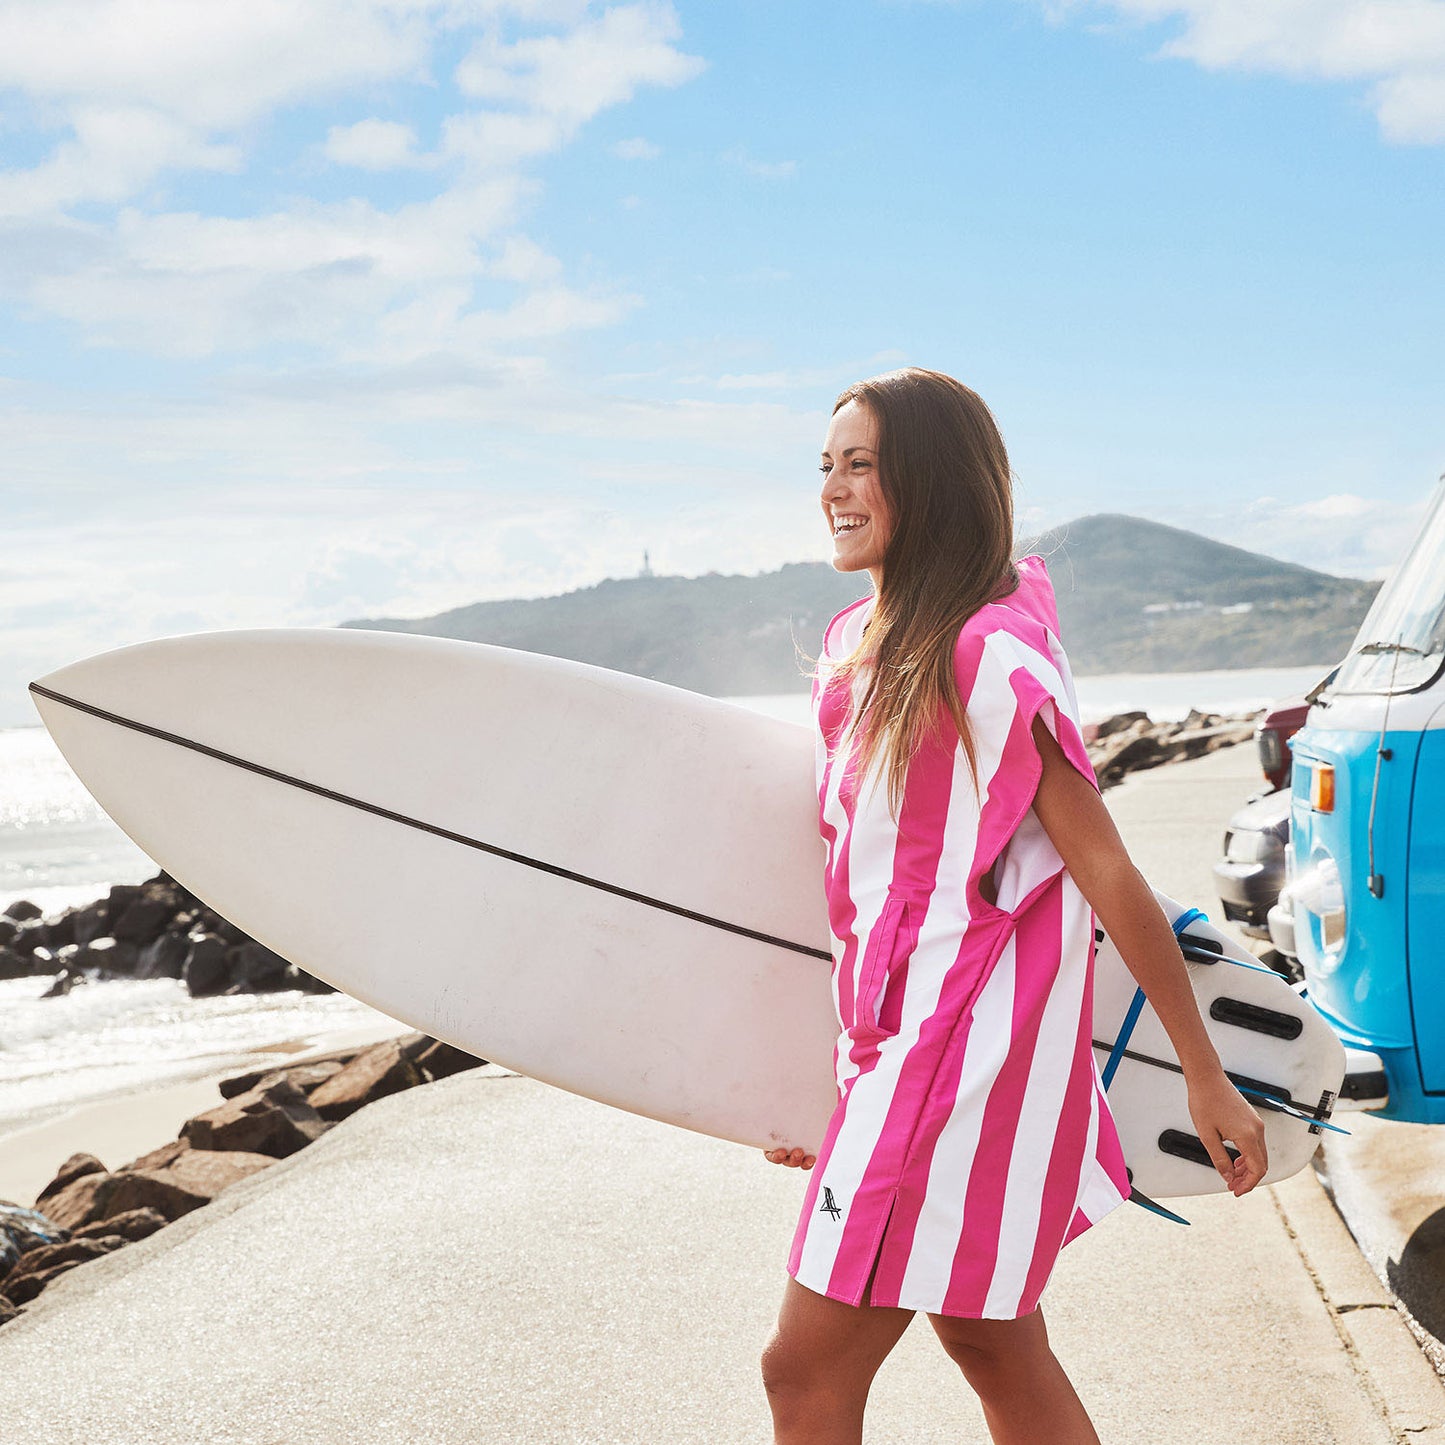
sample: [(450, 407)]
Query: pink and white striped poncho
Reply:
[(972, 1139)]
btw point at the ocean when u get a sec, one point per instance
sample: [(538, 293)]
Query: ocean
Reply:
[(58, 849)]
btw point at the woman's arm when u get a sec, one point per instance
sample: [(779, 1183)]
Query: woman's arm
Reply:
[(1080, 828)]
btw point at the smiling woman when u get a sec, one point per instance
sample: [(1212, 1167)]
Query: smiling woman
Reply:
[(968, 852)]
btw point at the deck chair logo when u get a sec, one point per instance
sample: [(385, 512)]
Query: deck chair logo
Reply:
[(828, 1206)]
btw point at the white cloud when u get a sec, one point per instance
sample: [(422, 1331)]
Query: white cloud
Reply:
[(574, 76), (636, 148), (1396, 46), (373, 145), (370, 284), (740, 160)]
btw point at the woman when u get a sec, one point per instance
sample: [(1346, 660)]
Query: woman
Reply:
[(968, 852)]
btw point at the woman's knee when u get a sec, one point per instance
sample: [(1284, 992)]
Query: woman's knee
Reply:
[(993, 1346)]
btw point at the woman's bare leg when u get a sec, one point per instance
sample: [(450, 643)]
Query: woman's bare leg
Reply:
[(820, 1362), (1026, 1395)]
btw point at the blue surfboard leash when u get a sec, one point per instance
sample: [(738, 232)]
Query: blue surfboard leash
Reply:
[(1116, 1054)]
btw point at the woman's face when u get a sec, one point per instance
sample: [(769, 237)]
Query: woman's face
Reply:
[(852, 495)]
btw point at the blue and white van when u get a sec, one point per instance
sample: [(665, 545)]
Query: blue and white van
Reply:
[(1365, 866)]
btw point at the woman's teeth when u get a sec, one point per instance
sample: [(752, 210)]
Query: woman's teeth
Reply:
[(848, 524)]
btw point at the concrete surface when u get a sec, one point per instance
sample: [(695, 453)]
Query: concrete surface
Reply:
[(489, 1260)]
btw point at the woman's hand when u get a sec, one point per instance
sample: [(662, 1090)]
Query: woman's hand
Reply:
[(1221, 1112), (795, 1160)]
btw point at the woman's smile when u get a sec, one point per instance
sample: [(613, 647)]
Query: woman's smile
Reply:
[(852, 494)]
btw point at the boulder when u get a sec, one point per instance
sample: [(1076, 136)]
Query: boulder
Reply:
[(192, 1179), (33, 934), (90, 922), (1118, 723), (160, 1158), (106, 955), (144, 920), (79, 1202), (440, 1061), (9, 927), (40, 1266), (64, 982), (22, 1230), (205, 969), (255, 969), (210, 921), (273, 1118), (308, 982), (163, 957), (60, 930), (21, 910), (385, 1068), (7, 1310), (305, 1076), (14, 965), (130, 1226), (120, 897), (76, 1167)]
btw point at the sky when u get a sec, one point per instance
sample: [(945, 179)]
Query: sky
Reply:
[(322, 309)]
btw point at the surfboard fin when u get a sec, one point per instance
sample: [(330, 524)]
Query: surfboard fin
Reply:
[(1154, 1207)]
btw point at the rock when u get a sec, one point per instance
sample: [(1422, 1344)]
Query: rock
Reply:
[(21, 910), (120, 897), (144, 920), (61, 929), (193, 1178), (79, 1202), (211, 922), (7, 1310), (163, 957), (9, 927), (23, 1230), (305, 1076), (273, 1118), (14, 965), (440, 1061), (107, 955), (205, 967), (1119, 722), (63, 984), (255, 969), (160, 1158), (76, 1167), (33, 934), (40, 1266), (385, 1068), (91, 922), (42, 961), (308, 982), (134, 1224)]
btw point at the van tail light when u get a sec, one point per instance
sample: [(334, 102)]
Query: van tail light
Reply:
[(1322, 788)]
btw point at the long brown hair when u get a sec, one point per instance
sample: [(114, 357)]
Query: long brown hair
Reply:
[(944, 474)]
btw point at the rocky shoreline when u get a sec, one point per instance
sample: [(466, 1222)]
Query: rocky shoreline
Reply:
[(1129, 742), (88, 1210)]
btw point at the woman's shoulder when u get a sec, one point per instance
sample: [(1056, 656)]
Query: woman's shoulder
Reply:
[(842, 634), (1028, 613)]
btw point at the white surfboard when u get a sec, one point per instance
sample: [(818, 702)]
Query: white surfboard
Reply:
[(606, 883)]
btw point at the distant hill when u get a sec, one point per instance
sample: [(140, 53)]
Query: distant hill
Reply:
[(1134, 596)]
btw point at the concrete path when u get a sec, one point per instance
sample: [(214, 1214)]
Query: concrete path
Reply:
[(489, 1260)]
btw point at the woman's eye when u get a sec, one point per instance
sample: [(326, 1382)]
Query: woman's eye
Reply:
[(825, 469), (859, 464)]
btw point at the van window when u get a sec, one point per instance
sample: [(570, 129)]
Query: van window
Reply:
[(1401, 644)]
